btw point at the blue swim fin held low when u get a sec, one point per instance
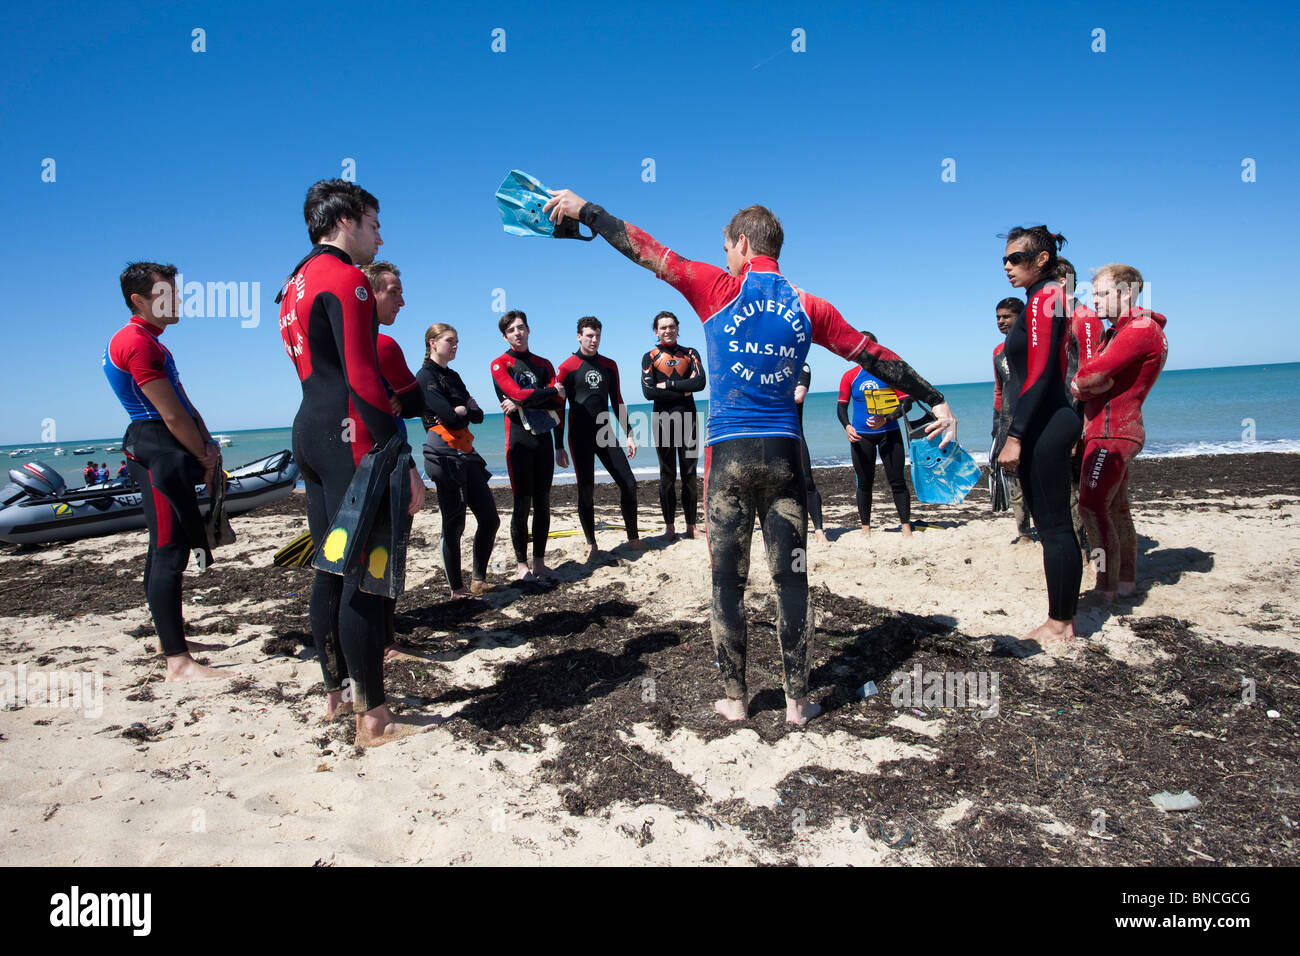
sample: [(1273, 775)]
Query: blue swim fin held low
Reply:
[(940, 476), (520, 198)]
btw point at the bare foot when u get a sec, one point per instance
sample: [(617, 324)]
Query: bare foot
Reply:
[(634, 544), (400, 652), (477, 587), (691, 531), (335, 705), (907, 529), (523, 572), (866, 529), (541, 571), (820, 534), (182, 667), (731, 709), (200, 646), (457, 594), (592, 551), (1052, 632), (670, 533), (374, 730), (800, 711)]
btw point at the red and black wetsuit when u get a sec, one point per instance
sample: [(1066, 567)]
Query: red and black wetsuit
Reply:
[(458, 472), (1046, 425), (674, 424), (528, 380), (1132, 354), (758, 328), (164, 471), (327, 322), (592, 386)]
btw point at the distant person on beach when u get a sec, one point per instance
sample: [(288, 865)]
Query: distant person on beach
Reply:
[(169, 449), (89, 473), (1044, 426), (458, 472), (1113, 384), (533, 401), (758, 329), (328, 325), (1005, 391), (871, 433), (671, 374), (404, 395), (102, 475), (121, 470), (1085, 337), (591, 383), (814, 496)]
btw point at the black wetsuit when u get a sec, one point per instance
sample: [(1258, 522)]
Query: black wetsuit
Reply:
[(814, 497), (527, 380), (592, 386), (1045, 422), (327, 321), (674, 423), (459, 473)]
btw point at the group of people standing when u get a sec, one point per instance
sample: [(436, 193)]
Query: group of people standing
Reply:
[(358, 392), (1067, 421)]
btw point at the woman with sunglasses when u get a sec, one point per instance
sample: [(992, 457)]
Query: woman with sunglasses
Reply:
[(1044, 425)]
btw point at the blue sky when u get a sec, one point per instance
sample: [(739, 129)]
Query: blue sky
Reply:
[(202, 159)]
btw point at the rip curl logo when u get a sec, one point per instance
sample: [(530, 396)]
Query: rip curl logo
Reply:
[(593, 378), (362, 294)]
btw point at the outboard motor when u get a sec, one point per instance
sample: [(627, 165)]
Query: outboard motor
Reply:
[(38, 480)]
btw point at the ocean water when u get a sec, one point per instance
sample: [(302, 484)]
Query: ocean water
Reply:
[(1212, 411)]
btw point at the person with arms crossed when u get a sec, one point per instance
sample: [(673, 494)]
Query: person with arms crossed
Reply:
[(1113, 384), (533, 402), (671, 374)]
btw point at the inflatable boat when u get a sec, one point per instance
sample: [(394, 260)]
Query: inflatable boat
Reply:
[(37, 507)]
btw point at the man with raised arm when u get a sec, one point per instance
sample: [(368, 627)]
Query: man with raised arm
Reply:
[(758, 329)]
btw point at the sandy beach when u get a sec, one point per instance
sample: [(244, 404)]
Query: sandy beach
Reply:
[(583, 731)]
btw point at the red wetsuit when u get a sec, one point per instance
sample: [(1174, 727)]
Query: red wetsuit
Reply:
[(1131, 356)]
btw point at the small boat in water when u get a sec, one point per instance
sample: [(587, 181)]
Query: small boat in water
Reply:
[(38, 507), (224, 441), (59, 451)]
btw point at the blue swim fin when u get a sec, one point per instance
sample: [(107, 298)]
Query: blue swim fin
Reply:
[(941, 476), (520, 198)]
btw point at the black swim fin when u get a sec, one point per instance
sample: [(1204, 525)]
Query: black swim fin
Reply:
[(383, 562), (345, 542)]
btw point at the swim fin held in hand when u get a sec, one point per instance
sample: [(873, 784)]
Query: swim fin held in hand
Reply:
[(941, 476), (520, 198)]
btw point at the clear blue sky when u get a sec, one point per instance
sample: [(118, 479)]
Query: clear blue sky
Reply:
[(202, 159)]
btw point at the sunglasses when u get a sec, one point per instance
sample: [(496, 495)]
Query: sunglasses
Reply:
[(1017, 257)]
